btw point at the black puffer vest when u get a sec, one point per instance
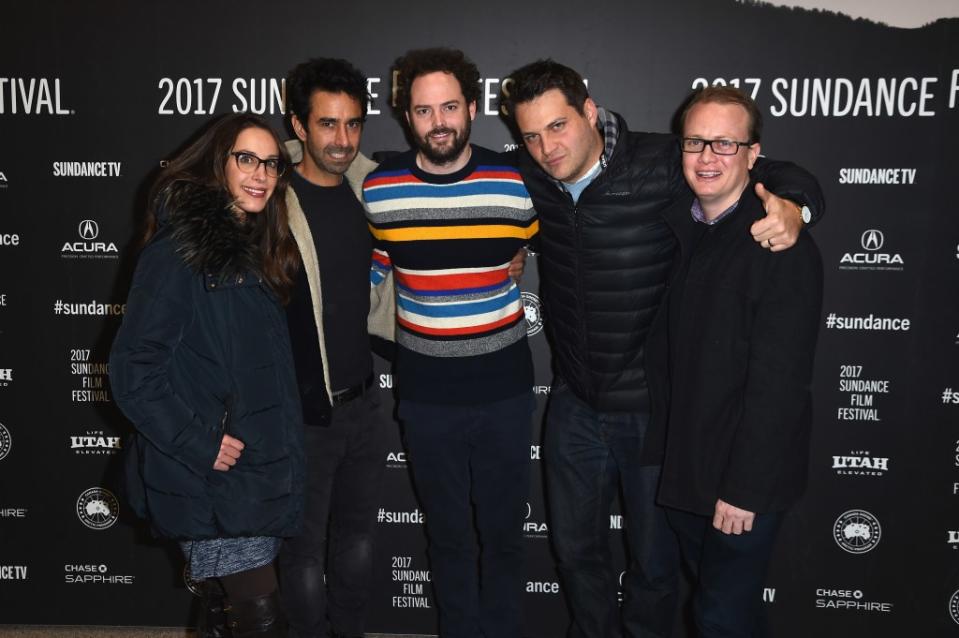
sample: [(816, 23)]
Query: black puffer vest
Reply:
[(604, 264)]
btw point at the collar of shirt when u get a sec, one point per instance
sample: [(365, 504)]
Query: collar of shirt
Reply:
[(576, 188), (699, 215)]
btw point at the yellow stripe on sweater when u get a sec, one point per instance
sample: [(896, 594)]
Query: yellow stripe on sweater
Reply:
[(479, 231)]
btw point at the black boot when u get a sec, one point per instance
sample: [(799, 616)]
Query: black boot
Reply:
[(257, 618), (212, 622)]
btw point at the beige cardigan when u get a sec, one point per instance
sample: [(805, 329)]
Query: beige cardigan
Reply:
[(382, 318)]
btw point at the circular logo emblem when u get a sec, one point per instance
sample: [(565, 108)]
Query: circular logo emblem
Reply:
[(954, 606), (98, 508), (529, 510), (195, 586), (872, 239), (857, 531), (88, 229), (533, 308), (6, 442)]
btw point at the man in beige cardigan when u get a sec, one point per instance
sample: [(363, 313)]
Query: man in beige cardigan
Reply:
[(328, 319)]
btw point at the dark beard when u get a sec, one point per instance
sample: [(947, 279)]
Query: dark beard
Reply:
[(450, 153)]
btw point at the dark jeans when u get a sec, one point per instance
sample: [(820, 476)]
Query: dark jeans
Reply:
[(589, 456), (345, 462), (473, 454), (729, 570)]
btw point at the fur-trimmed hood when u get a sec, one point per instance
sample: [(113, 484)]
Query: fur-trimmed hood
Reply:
[(207, 234)]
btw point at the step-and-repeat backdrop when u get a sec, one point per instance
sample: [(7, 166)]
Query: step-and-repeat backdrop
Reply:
[(94, 96)]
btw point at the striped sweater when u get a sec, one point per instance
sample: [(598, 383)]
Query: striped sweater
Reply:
[(461, 330)]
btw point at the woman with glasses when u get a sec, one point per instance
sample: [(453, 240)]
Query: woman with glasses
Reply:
[(202, 367)]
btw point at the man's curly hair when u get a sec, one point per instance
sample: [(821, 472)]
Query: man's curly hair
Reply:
[(419, 62)]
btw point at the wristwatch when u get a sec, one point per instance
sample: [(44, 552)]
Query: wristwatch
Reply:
[(805, 214)]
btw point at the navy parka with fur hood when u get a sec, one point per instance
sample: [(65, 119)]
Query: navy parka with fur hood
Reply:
[(203, 350)]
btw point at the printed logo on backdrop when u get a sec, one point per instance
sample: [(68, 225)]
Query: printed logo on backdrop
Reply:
[(87, 169), (396, 459), (870, 258), (869, 322), (533, 309), (92, 308), (386, 381), (862, 393), (93, 377), (892, 176), (13, 512), (535, 453), (6, 377), (416, 517), (619, 590), (89, 230), (954, 606), (534, 527), (860, 463), (94, 575), (98, 508), (3, 181), (9, 239), (541, 389), (414, 584), (13, 572), (31, 96), (850, 600), (6, 442), (195, 587), (950, 396), (857, 531), (952, 538), (542, 587), (94, 442)]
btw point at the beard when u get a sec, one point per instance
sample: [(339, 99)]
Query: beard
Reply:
[(448, 153)]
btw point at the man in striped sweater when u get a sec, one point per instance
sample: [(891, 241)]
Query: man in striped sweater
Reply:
[(447, 218)]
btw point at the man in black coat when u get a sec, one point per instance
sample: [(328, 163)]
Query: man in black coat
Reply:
[(738, 333), (606, 251)]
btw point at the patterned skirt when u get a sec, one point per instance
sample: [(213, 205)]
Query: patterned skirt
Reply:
[(217, 557)]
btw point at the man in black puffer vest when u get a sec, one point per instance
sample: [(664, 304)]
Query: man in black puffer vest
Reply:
[(605, 255)]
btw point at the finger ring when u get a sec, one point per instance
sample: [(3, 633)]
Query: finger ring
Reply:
[(770, 242)]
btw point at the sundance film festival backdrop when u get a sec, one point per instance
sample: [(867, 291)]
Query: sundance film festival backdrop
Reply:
[(94, 96)]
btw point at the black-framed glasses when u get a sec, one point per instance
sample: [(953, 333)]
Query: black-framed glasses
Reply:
[(248, 163), (719, 147)]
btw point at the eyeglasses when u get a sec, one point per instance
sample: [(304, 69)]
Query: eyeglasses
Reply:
[(719, 147), (248, 163)]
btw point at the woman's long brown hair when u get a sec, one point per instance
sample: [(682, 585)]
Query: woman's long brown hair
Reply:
[(204, 163)]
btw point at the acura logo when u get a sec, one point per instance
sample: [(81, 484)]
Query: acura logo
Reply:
[(872, 239), (88, 229)]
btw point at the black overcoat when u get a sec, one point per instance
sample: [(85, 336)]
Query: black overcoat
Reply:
[(730, 365)]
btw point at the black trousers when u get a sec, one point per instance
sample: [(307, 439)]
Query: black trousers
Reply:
[(471, 472), (345, 462), (729, 570)]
